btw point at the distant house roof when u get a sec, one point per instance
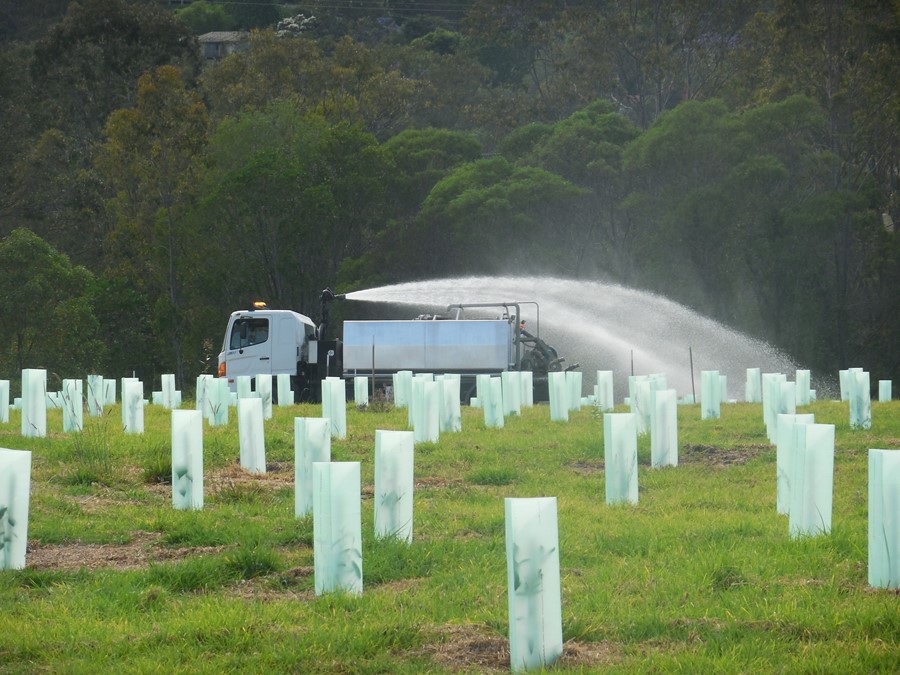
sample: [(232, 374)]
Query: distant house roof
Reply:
[(219, 44), (232, 36)]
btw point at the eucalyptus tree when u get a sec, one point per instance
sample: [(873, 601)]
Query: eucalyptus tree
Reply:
[(586, 148), (151, 158), (733, 207), (420, 158), (290, 197), (203, 17), (490, 215), (88, 64), (46, 303), (846, 55), (347, 84), (646, 56), (62, 88)]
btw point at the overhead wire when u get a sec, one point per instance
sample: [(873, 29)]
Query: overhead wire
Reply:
[(443, 7)]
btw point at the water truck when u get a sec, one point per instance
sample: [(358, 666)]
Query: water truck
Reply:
[(260, 340)]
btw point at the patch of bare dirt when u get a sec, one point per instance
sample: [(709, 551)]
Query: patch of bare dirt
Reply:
[(282, 587), (586, 468), (469, 648), (437, 482), (717, 457), (477, 648), (589, 654), (136, 554), (91, 504), (396, 587), (234, 476)]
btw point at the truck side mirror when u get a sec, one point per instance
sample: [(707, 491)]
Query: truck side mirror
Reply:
[(243, 333)]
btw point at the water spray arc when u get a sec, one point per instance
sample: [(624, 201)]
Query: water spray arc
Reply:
[(601, 325)]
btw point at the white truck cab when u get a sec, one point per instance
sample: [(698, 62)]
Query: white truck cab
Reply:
[(261, 340)]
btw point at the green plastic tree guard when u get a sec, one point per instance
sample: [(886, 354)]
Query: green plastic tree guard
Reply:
[(784, 457), (427, 421), (812, 480), (34, 403), (402, 388), (788, 401), (168, 391), (496, 404), (753, 386), (574, 381), (219, 402), (337, 528), (285, 393), (512, 392), (4, 401), (527, 379), (334, 405), (664, 429), (483, 388), (187, 459), (451, 414), (133, 406), (533, 583), (884, 391), (559, 397), (109, 388), (95, 395), (414, 411), (884, 518), (844, 378), (771, 390), (124, 381), (264, 391), (244, 385), (251, 435), (72, 406), (201, 402), (802, 378), (640, 403), (860, 399), (658, 381), (415, 397), (603, 392), (312, 443), (394, 480), (15, 491), (620, 457), (483, 399), (710, 395), (361, 391)]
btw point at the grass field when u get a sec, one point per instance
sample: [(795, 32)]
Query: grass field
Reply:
[(701, 576)]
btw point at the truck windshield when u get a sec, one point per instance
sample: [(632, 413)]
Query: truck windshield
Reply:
[(248, 332)]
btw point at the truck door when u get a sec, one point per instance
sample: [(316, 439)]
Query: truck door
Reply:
[(249, 347), (285, 345)]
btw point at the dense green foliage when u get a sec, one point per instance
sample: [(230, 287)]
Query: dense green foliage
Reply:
[(700, 576), (738, 157)]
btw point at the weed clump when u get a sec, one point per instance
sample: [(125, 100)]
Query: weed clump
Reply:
[(158, 467), (249, 562), (492, 476)]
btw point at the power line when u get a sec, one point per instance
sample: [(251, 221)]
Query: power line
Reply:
[(368, 5)]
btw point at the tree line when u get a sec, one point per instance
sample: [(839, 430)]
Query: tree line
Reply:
[(738, 157)]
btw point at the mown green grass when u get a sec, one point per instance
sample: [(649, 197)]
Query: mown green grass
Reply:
[(700, 576)]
